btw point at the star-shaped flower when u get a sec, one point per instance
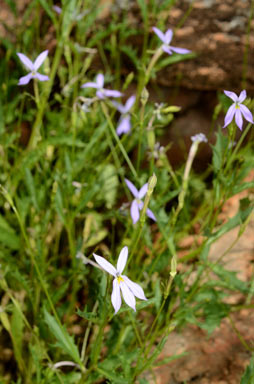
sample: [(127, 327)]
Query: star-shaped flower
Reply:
[(237, 109), (121, 283), (137, 204), (101, 92), (124, 124), (33, 67), (166, 39)]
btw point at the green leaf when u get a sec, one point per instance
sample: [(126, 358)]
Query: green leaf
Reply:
[(29, 180), (131, 53), (90, 316), (242, 187), (114, 377), (65, 341), (219, 150), (143, 7), (109, 183), (8, 236), (48, 9), (238, 219), (17, 325), (155, 353), (248, 376)]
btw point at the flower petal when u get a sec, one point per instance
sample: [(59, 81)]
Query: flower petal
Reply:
[(100, 80), (232, 95), (118, 106), (181, 51), (132, 188), (150, 214), (27, 62), (128, 296), (229, 116), (122, 259), (167, 49), (129, 103), (124, 125), (242, 96), (116, 296), (142, 192), (41, 77), (134, 211), (238, 118), (160, 34), (135, 288), (57, 9), (168, 36), (108, 267), (25, 79), (246, 113), (100, 94), (112, 93), (38, 62), (90, 85)]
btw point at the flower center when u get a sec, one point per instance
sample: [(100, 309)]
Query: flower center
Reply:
[(237, 106), (119, 279), (138, 201)]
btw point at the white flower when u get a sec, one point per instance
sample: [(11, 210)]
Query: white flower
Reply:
[(121, 282)]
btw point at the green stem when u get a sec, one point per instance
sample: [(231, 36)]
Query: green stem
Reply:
[(112, 129), (35, 135), (151, 184)]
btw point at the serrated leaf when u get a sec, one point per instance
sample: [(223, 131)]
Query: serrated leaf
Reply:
[(8, 236), (219, 150), (109, 183), (65, 341), (90, 316), (114, 377)]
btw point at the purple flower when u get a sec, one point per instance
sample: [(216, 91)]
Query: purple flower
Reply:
[(121, 282), (166, 39), (137, 203), (57, 9), (124, 124), (33, 67), (237, 109), (101, 92), (200, 137)]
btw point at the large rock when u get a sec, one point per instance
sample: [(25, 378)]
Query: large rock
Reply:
[(217, 31)]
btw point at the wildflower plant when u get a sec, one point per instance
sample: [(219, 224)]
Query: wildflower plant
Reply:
[(33, 67), (237, 110), (121, 282), (101, 92), (166, 40), (124, 124), (67, 167), (137, 204)]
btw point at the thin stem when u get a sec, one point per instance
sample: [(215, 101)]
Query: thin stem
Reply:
[(136, 330), (35, 135), (112, 129), (238, 334)]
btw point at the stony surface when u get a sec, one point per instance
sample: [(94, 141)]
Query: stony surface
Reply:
[(216, 31)]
